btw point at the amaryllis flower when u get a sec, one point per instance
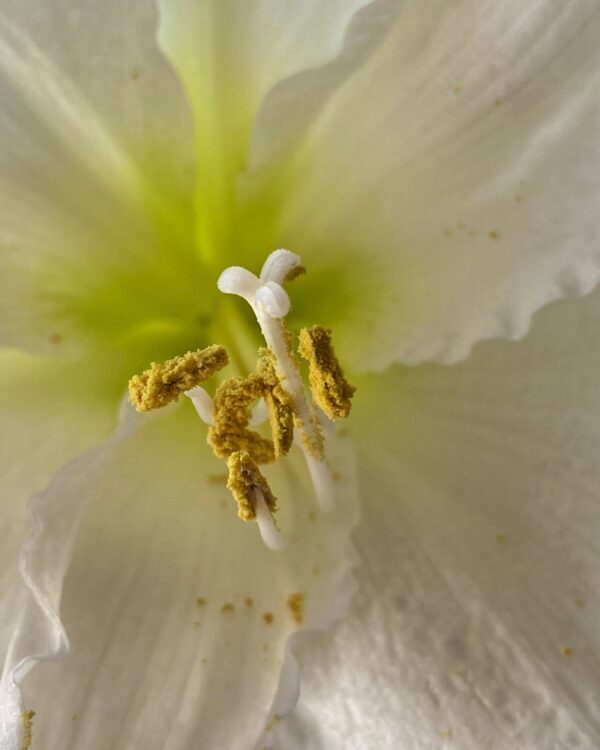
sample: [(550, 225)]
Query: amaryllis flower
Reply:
[(434, 167)]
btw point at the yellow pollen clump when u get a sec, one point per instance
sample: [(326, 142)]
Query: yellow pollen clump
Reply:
[(280, 405), (330, 389), (295, 604), (230, 432), (244, 478), (233, 399), (164, 383), (27, 729), (268, 617)]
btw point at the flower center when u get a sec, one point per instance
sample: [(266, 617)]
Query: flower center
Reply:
[(295, 413)]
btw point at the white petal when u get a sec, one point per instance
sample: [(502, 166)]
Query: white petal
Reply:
[(453, 185), (95, 157), (222, 49), (50, 412), (291, 107), (477, 625), (151, 665)]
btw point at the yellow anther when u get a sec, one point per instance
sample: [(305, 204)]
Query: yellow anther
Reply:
[(230, 432), (26, 729), (163, 383), (280, 405), (330, 389), (244, 479)]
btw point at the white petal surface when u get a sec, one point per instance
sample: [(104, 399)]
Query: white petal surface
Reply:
[(178, 615), (96, 168), (50, 412), (230, 55), (246, 68), (456, 178), (477, 625)]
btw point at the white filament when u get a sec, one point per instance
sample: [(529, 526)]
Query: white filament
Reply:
[(322, 481), (260, 414), (270, 534), (203, 404)]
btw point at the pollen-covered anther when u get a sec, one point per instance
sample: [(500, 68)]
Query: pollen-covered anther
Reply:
[(280, 405), (27, 729), (330, 389), (245, 478), (230, 432), (163, 383)]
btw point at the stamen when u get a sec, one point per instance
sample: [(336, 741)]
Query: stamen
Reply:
[(330, 389), (230, 432), (270, 534), (27, 729), (279, 404), (203, 404), (163, 383), (244, 479)]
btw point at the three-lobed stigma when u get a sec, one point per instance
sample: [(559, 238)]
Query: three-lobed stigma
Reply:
[(276, 384)]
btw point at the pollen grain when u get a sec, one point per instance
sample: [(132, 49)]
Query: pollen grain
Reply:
[(295, 604)]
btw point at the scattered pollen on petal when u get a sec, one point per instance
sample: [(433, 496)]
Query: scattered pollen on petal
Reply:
[(249, 601), (494, 234), (295, 604), (228, 608), (566, 651), (163, 383), (244, 477), (269, 618), (27, 729), (330, 389), (276, 718), (201, 601)]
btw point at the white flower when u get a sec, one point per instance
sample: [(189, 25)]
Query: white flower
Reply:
[(436, 166)]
